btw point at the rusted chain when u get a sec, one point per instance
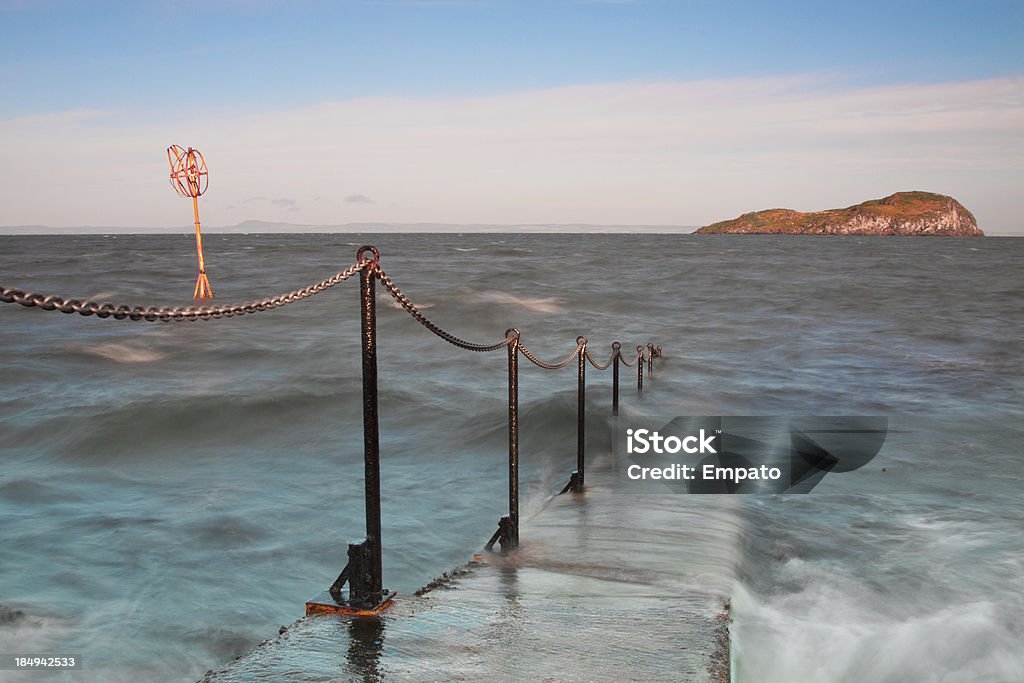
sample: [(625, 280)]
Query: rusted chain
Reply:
[(170, 314), (411, 309), (625, 362), (597, 365), (403, 300), (552, 366), (173, 314)]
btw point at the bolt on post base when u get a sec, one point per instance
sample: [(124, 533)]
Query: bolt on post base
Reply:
[(365, 595), (507, 536), (575, 483)]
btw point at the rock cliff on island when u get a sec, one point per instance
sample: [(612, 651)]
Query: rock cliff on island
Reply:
[(904, 213)]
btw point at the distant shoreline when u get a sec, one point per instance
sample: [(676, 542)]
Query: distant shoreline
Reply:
[(267, 227), (270, 228), (473, 230)]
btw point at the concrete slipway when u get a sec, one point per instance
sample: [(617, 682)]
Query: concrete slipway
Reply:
[(605, 587)]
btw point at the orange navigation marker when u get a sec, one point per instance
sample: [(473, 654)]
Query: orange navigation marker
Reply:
[(189, 178)]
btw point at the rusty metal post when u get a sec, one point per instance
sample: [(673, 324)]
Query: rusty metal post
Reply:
[(650, 359), (359, 573), (371, 432), (513, 436), (615, 377), (363, 573), (507, 534), (581, 414), (640, 369)]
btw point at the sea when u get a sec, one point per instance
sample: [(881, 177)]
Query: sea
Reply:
[(172, 493)]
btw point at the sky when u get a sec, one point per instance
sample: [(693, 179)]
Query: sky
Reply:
[(644, 112)]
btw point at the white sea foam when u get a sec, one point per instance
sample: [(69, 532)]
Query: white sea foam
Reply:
[(542, 305), (27, 633), (848, 632), (124, 353), (394, 304)]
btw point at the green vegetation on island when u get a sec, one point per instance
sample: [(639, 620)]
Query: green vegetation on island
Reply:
[(903, 213)]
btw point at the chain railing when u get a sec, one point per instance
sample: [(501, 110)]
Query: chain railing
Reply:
[(363, 573), (52, 302), (507, 534), (404, 302)]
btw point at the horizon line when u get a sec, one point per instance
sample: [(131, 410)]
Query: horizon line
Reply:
[(257, 226)]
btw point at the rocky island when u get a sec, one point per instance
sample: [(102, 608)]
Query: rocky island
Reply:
[(903, 213)]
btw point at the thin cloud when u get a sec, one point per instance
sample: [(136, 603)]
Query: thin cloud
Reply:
[(283, 202), (358, 199), (683, 153)]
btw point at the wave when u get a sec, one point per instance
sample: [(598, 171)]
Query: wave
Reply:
[(292, 416), (24, 632), (389, 301), (898, 589), (10, 616), (32, 492), (541, 305), (781, 638), (201, 421), (124, 353)]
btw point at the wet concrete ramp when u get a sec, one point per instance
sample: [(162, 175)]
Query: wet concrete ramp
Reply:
[(605, 587)]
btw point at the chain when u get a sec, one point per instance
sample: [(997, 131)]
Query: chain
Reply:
[(626, 362), (411, 309), (598, 365), (403, 300), (52, 302), (167, 314), (551, 366)]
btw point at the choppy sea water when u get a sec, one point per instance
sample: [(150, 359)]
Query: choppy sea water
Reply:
[(171, 493)]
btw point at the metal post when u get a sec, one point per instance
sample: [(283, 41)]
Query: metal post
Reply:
[(513, 436), (615, 377), (581, 413), (640, 369), (363, 573), (508, 526), (371, 434), (650, 359)]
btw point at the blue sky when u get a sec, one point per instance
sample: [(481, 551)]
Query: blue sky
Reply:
[(117, 76)]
